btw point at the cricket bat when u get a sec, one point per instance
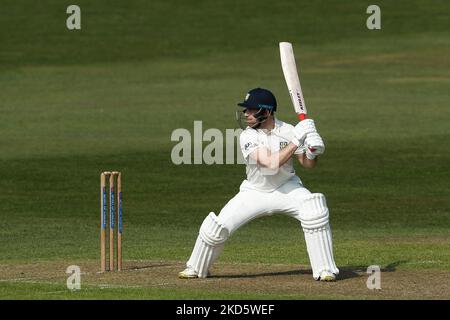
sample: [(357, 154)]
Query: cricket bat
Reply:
[(292, 79)]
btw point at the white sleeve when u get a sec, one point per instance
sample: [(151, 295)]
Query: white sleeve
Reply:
[(290, 135), (249, 142)]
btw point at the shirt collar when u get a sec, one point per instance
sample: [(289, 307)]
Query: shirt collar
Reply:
[(277, 126)]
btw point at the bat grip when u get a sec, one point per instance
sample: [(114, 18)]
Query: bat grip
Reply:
[(301, 117)]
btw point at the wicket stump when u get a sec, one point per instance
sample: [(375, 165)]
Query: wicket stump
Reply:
[(112, 220)]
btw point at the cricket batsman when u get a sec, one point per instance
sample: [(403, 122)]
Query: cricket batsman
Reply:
[(268, 146)]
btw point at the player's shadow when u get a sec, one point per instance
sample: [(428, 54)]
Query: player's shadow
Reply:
[(263, 274), (348, 272), (148, 266), (345, 272)]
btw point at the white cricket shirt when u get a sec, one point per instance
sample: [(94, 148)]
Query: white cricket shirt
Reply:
[(261, 178)]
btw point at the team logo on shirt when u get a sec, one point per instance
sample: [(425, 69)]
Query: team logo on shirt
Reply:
[(283, 144), (249, 145)]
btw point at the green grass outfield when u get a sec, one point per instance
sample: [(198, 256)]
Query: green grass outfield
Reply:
[(75, 103)]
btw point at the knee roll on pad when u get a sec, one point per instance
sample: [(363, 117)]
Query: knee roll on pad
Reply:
[(314, 219), (208, 246), (314, 211), (212, 231)]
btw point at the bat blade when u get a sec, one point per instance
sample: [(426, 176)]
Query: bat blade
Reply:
[(292, 80)]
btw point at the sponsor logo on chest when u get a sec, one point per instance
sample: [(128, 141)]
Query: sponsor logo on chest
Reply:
[(283, 144)]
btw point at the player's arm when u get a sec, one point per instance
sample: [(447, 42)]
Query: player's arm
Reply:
[(305, 162), (313, 147), (273, 160)]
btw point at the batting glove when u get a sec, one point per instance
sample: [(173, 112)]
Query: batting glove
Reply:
[(302, 129), (314, 145)]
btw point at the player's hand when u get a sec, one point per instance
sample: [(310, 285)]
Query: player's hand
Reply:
[(314, 145), (303, 128)]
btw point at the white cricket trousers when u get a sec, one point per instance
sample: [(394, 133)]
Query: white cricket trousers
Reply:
[(292, 199), (250, 204)]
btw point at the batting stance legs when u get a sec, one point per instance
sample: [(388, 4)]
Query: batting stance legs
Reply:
[(291, 199)]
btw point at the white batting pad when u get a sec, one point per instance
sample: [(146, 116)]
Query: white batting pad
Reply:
[(314, 219), (208, 246)]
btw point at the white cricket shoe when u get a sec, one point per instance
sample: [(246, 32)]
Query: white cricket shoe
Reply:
[(327, 276), (188, 273)]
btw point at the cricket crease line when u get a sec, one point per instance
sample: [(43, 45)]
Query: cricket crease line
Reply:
[(18, 280), (89, 286)]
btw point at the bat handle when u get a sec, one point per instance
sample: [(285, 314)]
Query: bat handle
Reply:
[(301, 117)]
